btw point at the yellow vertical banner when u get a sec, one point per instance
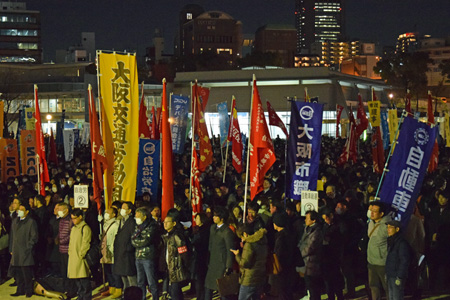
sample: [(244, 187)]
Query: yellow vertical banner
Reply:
[(2, 117), (10, 159), (374, 113), (119, 93), (30, 121), (447, 129), (28, 152), (393, 125)]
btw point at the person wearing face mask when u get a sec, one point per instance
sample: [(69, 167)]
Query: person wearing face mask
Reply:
[(24, 236), (146, 240), (110, 227), (63, 239), (124, 253)]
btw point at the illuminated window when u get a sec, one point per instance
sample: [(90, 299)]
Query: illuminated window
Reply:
[(189, 16)]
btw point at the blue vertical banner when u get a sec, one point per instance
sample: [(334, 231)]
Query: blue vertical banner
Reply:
[(148, 167), (408, 167), (385, 128), (302, 169), (178, 114), (76, 136), (224, 122)]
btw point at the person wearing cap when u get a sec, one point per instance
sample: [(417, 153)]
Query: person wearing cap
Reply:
[(397, 261), (377, 249), (24, 236), (284, 250)]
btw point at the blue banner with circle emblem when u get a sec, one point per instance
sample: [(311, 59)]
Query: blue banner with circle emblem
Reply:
[(302, 170), (407, 168), (148, 168)]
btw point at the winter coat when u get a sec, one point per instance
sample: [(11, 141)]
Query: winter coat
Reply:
[(284, 248), (398, 257), (124, 252), (377, 246), (65, 225), (176, 255), (221, 240), (146, 240), (200, 243), (80, 242), (252, 261), (107, 241), (311, 249), (23, 238)]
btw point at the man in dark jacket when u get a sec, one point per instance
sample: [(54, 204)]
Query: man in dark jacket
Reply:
[(397, 261), (145, 240), (311, 250), (200, 243), (221, 240), (24, 236), (124, 252)]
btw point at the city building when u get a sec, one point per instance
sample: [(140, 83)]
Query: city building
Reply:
[(187, 14), (360, 65), (20, 34), (213, 31), (318, 21), (85, 51), (407, 42), (438, 50), (279, 39)]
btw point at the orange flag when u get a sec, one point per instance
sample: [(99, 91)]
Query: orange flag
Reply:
[(262, 155), (99, 161), (144, 129), (166, 150), (40, 146)]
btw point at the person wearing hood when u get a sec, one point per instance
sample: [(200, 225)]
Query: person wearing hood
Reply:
[(252, 261), (397, 261)]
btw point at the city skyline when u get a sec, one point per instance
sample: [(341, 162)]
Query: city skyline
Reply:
[(378, 21)]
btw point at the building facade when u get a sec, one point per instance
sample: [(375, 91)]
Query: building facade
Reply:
[(20, 34)]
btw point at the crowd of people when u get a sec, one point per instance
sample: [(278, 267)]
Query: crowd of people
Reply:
[(278, 250)]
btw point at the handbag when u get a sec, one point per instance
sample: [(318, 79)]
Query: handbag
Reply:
[(228, 284), (4, 239)]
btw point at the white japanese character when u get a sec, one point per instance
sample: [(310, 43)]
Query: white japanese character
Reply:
[(305, 131), (408, 179)]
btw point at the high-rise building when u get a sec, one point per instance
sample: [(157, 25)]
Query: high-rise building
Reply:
[(407, 42), (187, 14), (20, 34), (318, 21)]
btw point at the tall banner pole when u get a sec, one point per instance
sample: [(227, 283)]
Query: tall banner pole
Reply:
[(193, 109), (228, 142), (248, 152)]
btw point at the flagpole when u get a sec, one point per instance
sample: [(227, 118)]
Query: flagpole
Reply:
[(228, 142), (248, 151), (37, 152), (193, 109)]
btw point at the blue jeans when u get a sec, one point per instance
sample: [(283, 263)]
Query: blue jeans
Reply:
[(249, 292), (396, 292), (146, 269)]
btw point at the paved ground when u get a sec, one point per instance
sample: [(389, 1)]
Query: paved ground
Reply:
[(6, 290)]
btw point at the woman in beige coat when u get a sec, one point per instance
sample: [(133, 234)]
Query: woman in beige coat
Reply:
[(80, 242)]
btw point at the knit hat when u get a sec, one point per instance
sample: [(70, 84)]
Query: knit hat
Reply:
[(394, 223)]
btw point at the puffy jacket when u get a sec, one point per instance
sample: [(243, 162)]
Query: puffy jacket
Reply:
[(252, 261), (398, 257), (146, 239), (311, 249), (177, 256)]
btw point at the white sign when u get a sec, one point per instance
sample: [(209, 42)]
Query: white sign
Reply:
[(81, 196), (310, 201)]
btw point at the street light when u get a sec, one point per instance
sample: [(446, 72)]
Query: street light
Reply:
[(391, 96), (49, 117)]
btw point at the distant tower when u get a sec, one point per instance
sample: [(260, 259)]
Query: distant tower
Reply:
[(407, 42), (88, 43), (158, 43), (318, 21), (187, 14)]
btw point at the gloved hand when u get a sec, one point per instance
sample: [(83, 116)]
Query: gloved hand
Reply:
[(228, 271), (398, 281)]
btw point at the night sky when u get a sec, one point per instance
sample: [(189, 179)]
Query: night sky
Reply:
[(129, 24)]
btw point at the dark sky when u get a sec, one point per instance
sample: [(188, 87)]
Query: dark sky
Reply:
[(129, 24)]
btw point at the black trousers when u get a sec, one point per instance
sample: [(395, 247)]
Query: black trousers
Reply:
[(84, 288), (24, 279)]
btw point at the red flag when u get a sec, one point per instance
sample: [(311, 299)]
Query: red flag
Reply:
[(361, 118), (339, 110), (434, 160), (199, 127), (99, 161), (166, 150), (52, 156), (234, 135), (144, 130), (154, 129), (40, 146), (275, 120), (349, 152), (262, 155), (408, 103), (377, 151), (196, 197), (158, 117)]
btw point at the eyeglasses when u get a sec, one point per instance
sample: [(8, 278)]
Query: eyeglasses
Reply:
[(166, 222)]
